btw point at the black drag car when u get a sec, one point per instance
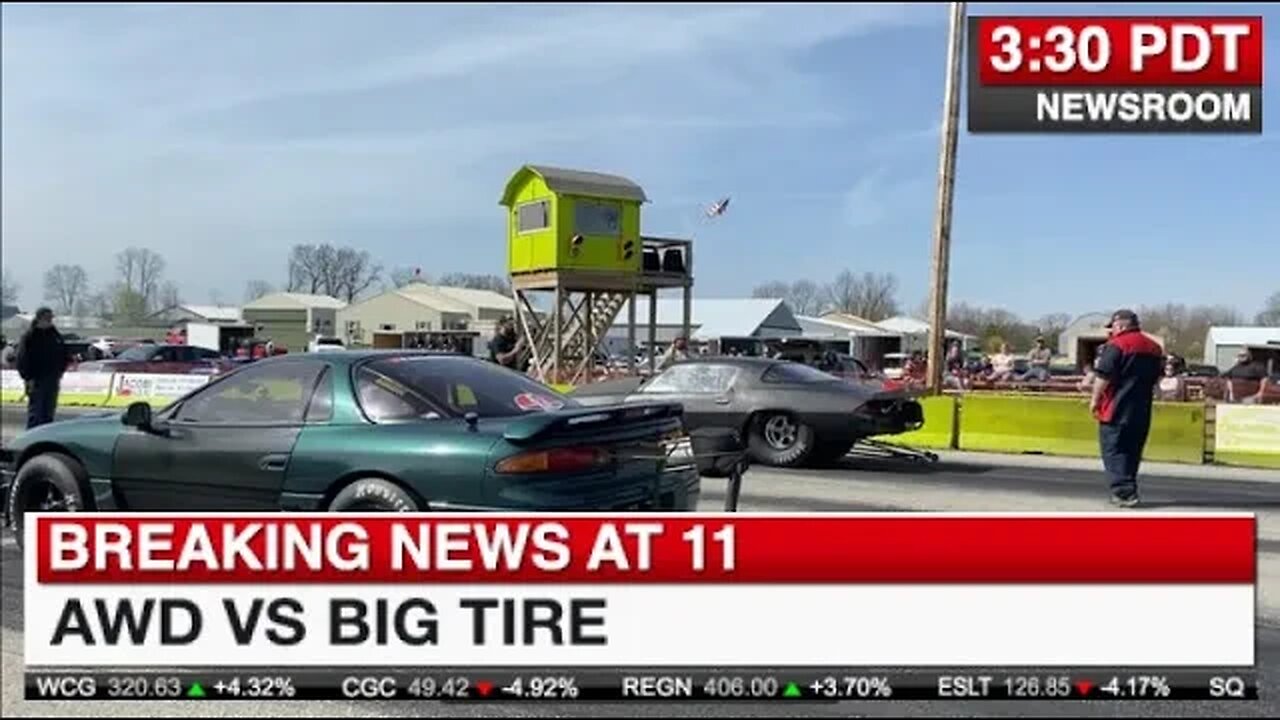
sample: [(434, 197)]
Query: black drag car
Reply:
[(791, 414)]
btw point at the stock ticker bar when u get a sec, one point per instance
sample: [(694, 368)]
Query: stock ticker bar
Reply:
[(1115, 74), (644, 685)]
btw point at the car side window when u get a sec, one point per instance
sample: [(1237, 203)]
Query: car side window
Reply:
[(386, 400), (320, 408), (695, 379), (275, 393)]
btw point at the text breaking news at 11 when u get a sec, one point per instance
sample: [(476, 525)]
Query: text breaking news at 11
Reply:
[(1115, 74), (485, 590)]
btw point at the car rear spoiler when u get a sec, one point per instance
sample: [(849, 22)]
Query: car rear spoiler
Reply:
[(537, 426)]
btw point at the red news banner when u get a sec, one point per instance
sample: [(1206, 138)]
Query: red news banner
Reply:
[(643, 590), (1162, 74)]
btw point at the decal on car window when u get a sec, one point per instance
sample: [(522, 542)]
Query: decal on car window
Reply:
[(531, 402)]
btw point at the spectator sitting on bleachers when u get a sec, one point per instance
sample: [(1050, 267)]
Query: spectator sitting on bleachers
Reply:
[(1039, 359), (1002, 365), (1172, 387)]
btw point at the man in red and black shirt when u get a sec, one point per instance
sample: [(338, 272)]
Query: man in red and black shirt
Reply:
[(1127, 370)]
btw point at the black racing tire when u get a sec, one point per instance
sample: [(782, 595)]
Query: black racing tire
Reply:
[(373, 495), (781, 440), (48, 482)]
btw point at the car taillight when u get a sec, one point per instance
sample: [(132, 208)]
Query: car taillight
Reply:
[(558, 460)]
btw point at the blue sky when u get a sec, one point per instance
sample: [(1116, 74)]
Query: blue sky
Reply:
[(220, 136)]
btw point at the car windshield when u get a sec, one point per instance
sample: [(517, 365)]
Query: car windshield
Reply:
[(789, 372), (328, 341), (140, 353), (401, 388)]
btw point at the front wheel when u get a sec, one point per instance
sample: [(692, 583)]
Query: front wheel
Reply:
[(373, 495), (780, 439), (51, 482)]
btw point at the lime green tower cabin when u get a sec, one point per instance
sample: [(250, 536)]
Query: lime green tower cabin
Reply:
[(572, 220)]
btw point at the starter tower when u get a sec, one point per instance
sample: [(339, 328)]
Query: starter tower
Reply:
[(575, 236)]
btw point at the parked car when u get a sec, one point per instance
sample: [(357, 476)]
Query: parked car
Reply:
[(359, 432), (103, 347), (325, 344), (791, 414), (173, 359)]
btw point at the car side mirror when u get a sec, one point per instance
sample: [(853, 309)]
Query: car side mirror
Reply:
[(137, 415)]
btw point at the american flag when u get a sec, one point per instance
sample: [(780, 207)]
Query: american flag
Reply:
[(717, 209)]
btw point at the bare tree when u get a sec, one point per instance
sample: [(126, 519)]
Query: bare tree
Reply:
[(1184, 328), (169, 296), (98, 304), (872, 296), (1270, 314), (139, 270), (775, 290), (355, 272), (9, 288), (328, 270), (1050, 327), (805, 297), (305, 273), (495, 283), (64, 287), (255, 289)]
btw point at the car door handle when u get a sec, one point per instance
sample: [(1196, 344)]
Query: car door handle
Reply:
[(273, 463), (723, 401)]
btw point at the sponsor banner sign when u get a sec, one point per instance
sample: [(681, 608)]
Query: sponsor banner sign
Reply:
[(1253, 429), (145, 385)]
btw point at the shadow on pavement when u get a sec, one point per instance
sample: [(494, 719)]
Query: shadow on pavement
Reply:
[(905, 466)]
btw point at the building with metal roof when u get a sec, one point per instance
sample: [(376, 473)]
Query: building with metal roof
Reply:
[(1221, 344), (714, 319), (218, 314), (1079, 341), (419, 312), (291, 320)]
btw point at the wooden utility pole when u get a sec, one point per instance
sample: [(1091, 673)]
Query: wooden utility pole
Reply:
[(946, 192)]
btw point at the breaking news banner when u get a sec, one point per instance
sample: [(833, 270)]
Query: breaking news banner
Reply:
[(1115, 74), (112, 591)]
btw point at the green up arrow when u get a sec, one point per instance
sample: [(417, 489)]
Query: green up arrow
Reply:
[(195, 691), (792, 691)]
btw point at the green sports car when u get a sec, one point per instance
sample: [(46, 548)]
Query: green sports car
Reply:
[(357, 431)]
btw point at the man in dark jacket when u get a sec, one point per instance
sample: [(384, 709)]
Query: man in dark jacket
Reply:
[(506, 346), (42, 359), (1126, 372)]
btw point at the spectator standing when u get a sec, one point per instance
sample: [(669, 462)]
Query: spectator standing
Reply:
[(42, 360), (1039, 359), (678, 351), (1128, 368), (505, 347)]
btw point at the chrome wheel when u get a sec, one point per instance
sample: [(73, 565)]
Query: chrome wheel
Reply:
[(780, 432)]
